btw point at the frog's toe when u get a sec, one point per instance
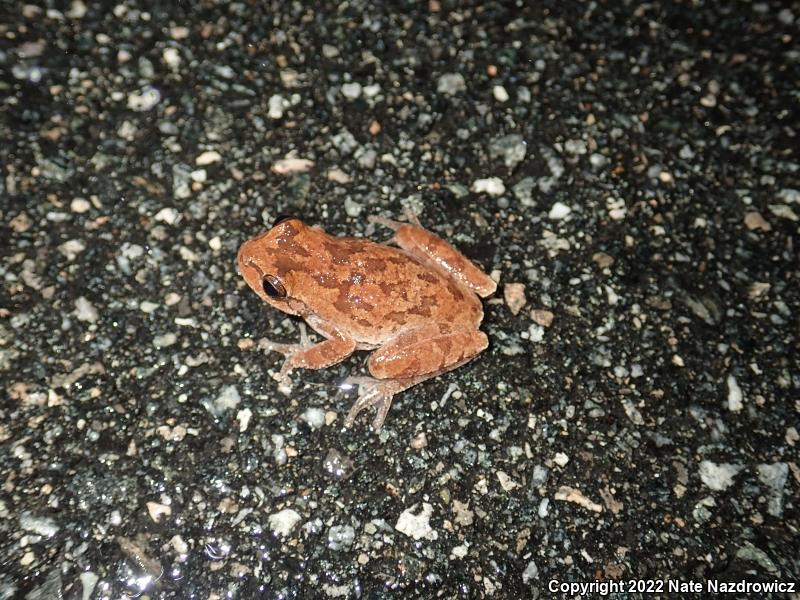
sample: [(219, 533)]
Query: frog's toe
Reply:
[(372, 392), (373, 397)]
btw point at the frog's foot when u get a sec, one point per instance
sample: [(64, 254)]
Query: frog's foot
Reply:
[(377, 393), (289, 351), (410, 216)]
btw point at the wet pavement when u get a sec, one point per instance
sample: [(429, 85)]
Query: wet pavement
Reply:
[(629, 175)]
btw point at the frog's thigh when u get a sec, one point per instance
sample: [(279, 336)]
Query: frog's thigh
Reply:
[(425, 351), (434, 251)]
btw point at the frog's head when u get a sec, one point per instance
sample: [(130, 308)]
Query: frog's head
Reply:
[(267, 262)]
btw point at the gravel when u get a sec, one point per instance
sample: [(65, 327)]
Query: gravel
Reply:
[(632, 169)]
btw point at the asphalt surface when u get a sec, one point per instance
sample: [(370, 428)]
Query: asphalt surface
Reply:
[(628, 173)]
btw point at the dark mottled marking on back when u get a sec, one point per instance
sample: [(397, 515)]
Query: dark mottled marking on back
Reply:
[(427, 277)]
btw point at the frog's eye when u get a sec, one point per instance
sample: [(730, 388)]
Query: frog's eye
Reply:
[(281, 218), (273, 287)]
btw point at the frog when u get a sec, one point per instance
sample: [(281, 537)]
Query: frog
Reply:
[(414, 301)]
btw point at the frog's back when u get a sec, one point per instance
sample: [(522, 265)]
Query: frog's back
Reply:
[(379, 290)]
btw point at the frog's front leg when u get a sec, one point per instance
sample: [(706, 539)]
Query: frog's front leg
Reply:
[(437, 253), (409, 359), (304, 355)]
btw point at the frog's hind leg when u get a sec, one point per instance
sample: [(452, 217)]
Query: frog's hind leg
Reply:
[(409, 359), (437, 254)]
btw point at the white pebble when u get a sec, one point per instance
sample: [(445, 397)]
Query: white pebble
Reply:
[(277, 105), (491, 185), (164, 341), (85, 310), (215, 243), (200, 175), (171, 57), (561, 459), (500, 93), (144, 100), (228, 398), (167, 215), (292, 165), (208, 157), (281, 523), (80, 205), (244, 416), (351, 90), (735, 395), (158, 511), (416, 526), (559, 211), (718, 476), (314, 417)]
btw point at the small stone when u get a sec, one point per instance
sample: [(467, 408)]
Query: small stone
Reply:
[(43, 526), (735, 395), (199, 175), (491, 185), (561, 459), (451, 84), (575, 147), (570, 494), (21, 223), (315, 417), (244, 416), (85, 310), (602, 259), (329, 51), (167, 215), (523, 191), (71, 248), (337, 465), (511, 148), (530, 573), (276, 106), (753, 220), (179, 32), (417, 526), (718, 476), (171, 57), (506, 482), (345, 142), (514, 295), (352, 90), (339, 176), (352, 208), (281, 523), (80, 205), (783, 211), (341, 537), (158, 511), (500, 94), (228, 398), (559, 211), (208, 157), (144, 100), (598, 160), (774, 476), (542, 317), (215, 243), (165, 341), (374, 128), (292, 165)]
